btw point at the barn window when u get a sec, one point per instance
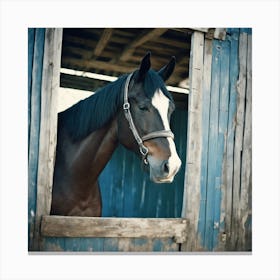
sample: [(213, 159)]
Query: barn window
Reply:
[(92, 58), (89, 61), (137, 214)]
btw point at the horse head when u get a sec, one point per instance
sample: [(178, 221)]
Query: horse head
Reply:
[(145, 121)]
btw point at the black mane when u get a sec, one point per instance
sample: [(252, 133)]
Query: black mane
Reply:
[(97, 110)]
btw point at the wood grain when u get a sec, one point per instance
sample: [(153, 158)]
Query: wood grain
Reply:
[(48, 124), (206, 98), (238, 144), (191, 200), (67, 226)]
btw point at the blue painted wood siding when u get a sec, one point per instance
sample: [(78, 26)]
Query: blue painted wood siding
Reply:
[(218, 128), (127, 190), (36, 40)]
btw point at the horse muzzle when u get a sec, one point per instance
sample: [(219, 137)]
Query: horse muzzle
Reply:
[(164, 171)]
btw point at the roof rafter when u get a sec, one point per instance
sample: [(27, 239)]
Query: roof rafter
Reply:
[(104, 39), (141, 39)]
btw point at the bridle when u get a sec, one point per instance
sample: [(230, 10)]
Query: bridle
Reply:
[(156, 134)]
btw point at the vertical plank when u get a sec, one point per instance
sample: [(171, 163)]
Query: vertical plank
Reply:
[(205, 130), (227, 179), (191, 198), (170, 246), (50, 85), (246, 163), (31, 42), (110, 244), (48, 125), (118, 191), (212, 145), (241, 90), (125, 244), (133, 184), (219, 207), (35, 71), (53, 244), (92, 244), (142, 245), (116, 204)]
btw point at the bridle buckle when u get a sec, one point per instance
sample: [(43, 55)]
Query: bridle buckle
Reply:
[(144, 152), (126, 106)]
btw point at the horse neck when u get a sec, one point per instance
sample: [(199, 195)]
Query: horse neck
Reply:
[(93, 153)]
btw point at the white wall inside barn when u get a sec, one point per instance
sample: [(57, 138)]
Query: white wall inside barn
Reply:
[(68, 97)]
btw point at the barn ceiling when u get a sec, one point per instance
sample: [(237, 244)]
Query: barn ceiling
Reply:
[(115, 51)]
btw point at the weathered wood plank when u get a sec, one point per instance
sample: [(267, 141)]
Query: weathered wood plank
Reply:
[(125, 244), (48, 124), (31, 42), (220, 33), (68, 226), (238, 147), (246, 171), (50, 85), (204, 30), (191, 200), (35, 71), (205, 130), (110, 244), (143, 245), (227, 178), (210, 33), (53, 244), (118, 244), (219, 205), (212, 144)]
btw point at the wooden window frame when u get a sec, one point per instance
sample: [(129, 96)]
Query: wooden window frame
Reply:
[(184, 229)]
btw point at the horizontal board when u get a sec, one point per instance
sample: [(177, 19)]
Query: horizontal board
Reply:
[(70, 226)]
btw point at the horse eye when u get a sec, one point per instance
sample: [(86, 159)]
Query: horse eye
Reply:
[(143, 108)]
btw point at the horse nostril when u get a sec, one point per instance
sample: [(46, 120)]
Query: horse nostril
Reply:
[(166, 167)]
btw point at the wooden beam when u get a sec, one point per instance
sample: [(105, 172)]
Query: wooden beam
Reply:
[(48, 125), (210, 33), (143, 38), (105, 38), (101, 44), (191, 200), (69, 226), (187, 30)]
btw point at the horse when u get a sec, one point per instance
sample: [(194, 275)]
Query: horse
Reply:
[(133, 111)]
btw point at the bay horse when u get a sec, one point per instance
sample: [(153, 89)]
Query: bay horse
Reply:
[(134, 111)]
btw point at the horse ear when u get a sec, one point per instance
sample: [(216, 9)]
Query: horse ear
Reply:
[(166, 71), (144, 67)]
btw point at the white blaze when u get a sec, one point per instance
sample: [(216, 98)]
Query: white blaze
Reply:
[(161, 103)]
